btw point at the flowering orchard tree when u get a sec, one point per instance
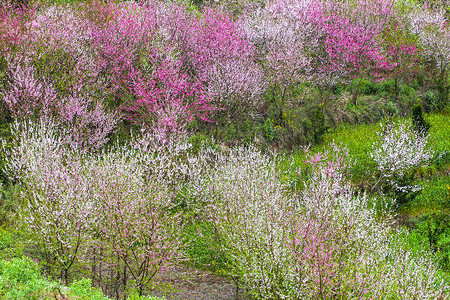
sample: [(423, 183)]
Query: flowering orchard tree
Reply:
[(280, 32), (403, 56), (227, 59), (245, 205), (214, 49), (135, 236), (351, 46), (326, 242), (436, 44), (166, 98), (115, 55), (89, 127), (119, 41), (323, 42), (57, 207), (26, 95), (12, 26), (109, 212), (399, 150), (433, 31)]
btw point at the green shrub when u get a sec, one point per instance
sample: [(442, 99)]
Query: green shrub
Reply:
[(419, 124), (439, 137), (20, 278), (268, 129), (11, 244), (203, 247), (434, 196), (319, 125), (358, 140), (430, 101), (83, 290), (10, 201), (433, 229)]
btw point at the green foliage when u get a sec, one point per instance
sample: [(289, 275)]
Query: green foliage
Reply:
[(83, 290), (368, 87), (419, 124), (56, 65), (187, 204), (391, 108), (203, 247), (20, 278), (402, 197), (268, 129), (440, 128), (197, 141), (434, 229), (319, 124), (430, 101), (10, 201), (11, 244), (359, 140), (434, 196)]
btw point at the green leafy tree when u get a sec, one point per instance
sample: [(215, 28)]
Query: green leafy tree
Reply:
[(419, 124)]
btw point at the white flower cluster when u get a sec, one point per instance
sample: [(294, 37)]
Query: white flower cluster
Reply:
[(399, 150), (326, 243)]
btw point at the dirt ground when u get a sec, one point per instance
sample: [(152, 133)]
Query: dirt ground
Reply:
[(193, 284)]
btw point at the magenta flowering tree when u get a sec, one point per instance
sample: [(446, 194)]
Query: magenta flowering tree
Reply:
[(13, 26), (143, 73), (352, 42), (156, 64), (214, 49), (402, 54), (226, 59), (166, 99), (118, 42)]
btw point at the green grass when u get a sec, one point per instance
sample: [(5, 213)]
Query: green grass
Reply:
[(20, 278), (11, 244), (435, 196), (202, 248), (440, 136)]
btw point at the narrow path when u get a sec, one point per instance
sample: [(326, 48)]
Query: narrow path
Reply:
[(199, 285)]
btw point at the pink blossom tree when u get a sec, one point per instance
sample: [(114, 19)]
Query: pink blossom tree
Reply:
[(107, 212), (215, 50), (324, 242), (26, 95), (402, 54)]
